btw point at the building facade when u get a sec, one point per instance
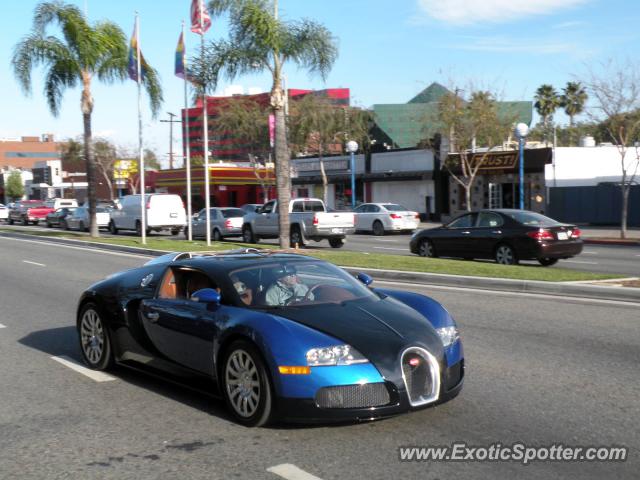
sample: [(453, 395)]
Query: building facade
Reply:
[(25, 152)]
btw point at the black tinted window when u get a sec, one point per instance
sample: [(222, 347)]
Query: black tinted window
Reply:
[(531, 218), (465, 221), (486, 219), (232, 212)]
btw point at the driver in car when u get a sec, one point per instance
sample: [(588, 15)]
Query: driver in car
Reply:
[(287, 288)]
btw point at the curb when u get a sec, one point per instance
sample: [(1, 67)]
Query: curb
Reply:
[(460, 281)]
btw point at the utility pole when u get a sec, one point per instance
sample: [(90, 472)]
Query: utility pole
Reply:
[(171, 121)]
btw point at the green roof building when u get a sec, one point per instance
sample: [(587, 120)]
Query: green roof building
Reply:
[(407, 124)]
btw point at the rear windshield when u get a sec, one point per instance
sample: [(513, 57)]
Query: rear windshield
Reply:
[(395, 208), (533, 219), (101, 210), (233, 212)]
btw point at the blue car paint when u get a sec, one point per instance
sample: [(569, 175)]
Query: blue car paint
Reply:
[(285, 343), (434, 312)]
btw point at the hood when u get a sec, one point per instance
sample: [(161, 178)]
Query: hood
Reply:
[(380, 329)]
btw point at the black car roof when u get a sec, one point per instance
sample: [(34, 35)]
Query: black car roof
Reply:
[(227, 262)]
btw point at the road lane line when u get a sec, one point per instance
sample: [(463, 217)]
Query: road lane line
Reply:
[(83, 248), (291, 472), (87, 372), (2, 326), (578, 261), (393, 248), (384, 240), (589, 253), (34, 263)]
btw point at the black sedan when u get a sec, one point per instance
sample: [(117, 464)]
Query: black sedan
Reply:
[(505, 235), (57, 218)]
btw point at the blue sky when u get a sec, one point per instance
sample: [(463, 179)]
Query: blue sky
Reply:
[(389, 51)]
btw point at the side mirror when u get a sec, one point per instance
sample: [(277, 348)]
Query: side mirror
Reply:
[(206, 295), (365, 279)]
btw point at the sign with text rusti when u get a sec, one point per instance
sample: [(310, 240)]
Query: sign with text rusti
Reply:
[(489, 161)]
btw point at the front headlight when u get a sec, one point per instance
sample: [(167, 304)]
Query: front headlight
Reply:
[(338, 355), (448, 335)]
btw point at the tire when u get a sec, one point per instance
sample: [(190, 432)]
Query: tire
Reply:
[(25, 222), (175, 232), (186, 232), (216, 235), (81, 227), (505, 255), (139, 229), (547, 262), (378, 228), (64, 225), (49, 224), (10, 221), (112, 228), (295, 237), (426, 249), (336, 242), (95, 345), (248, 236), (241, 359)]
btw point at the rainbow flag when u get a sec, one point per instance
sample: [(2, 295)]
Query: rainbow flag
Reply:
[(133, 58), (180, 57)]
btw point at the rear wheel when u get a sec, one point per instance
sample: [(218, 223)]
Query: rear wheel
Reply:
[(246, 385), (217, 236), (112, 228), (378, 228), (64, 225), (505, 255), (426, 249), (139, 229), (336, 242), (547, 262), (25, 222), (10, 221), (94, 338), (175, 232), (82, 227), (186, 232)]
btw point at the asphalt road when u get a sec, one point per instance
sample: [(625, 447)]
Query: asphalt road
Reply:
[(623, 260), (540, 370)]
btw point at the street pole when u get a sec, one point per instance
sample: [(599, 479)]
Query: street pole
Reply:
[(171, 121), (521, 131), (352, 148), (186, 140), (205, 128), (143, 203)]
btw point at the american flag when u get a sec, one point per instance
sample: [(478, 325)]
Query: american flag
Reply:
[(200, 19)]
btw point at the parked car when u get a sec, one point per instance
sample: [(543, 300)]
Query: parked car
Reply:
[(79, 219), (505, 235), (225, 222), (163, 212), (309, 221), (380, 218), (57, 218), (4, 212), (29, 211), (324, 347), (250, 207), (57, 203)]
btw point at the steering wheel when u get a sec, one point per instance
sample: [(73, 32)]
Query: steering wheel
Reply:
[(307, 296)]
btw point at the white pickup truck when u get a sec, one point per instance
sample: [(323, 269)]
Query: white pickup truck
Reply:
[(309, 220)]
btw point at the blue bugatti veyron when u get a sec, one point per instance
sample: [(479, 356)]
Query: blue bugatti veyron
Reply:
[(279, 336)]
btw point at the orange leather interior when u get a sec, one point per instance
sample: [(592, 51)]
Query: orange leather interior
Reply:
[(168, 288)]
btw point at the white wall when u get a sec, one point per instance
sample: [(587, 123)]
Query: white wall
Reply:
[(402, 161), (585, 166), (410, 193)]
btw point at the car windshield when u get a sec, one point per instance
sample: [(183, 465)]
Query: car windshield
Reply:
[(232, 212), (395, 208), (101, 210), (296, 284), (533, 219)]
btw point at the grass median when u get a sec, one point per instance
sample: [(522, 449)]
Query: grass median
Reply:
[(352, 259)]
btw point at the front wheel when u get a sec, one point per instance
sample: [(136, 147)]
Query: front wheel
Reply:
[(10, 221), (426, 249), (94, 338), (336, 242), (505, 255), (246, 385), (217, 236), (112, 228), (49, 224), (64, 225), (82, 228), (25, 222), (547, 262), (295, 238), (248, 236), (175, 232)]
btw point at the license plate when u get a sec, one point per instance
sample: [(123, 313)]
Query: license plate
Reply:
[(563, 236), (173, 215), (336, 230)]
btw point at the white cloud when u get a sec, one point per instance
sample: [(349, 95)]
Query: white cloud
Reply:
[(464, 12), (534, 46)]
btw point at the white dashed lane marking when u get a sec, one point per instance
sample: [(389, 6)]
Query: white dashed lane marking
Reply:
[(87, 372), (291, 472), (34, 263), (2, 326)]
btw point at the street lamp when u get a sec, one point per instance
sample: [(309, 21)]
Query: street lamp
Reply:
[(352, 148), (521, 132)]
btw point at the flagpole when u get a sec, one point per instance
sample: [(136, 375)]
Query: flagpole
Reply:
[(143, 203), (205, 126), (187, 146)]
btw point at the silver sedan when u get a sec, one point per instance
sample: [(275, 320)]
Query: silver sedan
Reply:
[(225, 222), (380, 218)]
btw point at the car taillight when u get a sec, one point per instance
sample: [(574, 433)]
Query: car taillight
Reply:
[(417, 216), (148, 205), (315, 220), (228, 224), (541, 234), (395, 216), (575, 233)]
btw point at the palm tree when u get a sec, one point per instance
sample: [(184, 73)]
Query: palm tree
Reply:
[(547, 102), (573, 100), (84, 52), (259, 41)]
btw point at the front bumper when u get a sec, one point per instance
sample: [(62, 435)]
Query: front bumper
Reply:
[(306, 410)]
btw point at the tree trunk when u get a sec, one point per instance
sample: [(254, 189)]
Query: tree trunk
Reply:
[(91, 175), (325, 182), (625, 207), (283, 183), (467, 194)]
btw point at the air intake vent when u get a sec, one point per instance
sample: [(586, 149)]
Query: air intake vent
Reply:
[(421, 375), (353, 396)]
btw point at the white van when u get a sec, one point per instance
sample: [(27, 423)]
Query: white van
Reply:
[(164, 212), (57, 203)]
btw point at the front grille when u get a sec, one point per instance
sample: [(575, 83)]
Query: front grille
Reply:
[(421, 374), (353, 396)]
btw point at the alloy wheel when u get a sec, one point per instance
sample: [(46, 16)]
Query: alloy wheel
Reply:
[(242, 383), (426, 249), (92, 336), (505, 255)]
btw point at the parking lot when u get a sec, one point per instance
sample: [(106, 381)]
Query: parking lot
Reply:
[(530, 360)]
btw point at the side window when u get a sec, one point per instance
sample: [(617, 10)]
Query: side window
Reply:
[(268, 207), (214, 214), (297, 207), (465, 221), (313, 207), (361, 209), (374, 208), (167, 287), (488, 219)]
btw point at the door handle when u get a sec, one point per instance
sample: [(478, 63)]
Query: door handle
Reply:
[(496, 231), (466, 232), (153, 316)]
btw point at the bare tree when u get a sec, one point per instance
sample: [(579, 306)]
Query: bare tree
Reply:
[(105, 157), (615, 90)]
